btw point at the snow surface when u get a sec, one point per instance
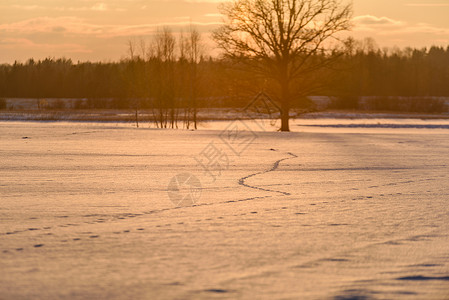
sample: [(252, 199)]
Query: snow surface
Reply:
[(325, 212)]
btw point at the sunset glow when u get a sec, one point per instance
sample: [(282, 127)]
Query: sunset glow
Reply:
[(98, 31)]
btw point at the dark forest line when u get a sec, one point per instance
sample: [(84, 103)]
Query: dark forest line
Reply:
[(361, 70)]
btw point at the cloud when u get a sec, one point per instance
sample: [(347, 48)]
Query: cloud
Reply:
[(23, 44), (387, 26), (99, 7), (48, 25), (425, 28), (393, 32), (149, 29), (73, 26), (183, 18), (214, 15), (27, 7), (427, 4), (369, 20)]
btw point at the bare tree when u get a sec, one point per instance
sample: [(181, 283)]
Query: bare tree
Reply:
[(281, 39), (191, 48), (162, 56), (194, 51), (136, 77), (131, 48)]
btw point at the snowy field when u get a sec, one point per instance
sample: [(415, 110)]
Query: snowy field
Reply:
[(332, 210)]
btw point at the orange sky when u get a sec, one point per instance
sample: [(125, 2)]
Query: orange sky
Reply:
[(99, 30)]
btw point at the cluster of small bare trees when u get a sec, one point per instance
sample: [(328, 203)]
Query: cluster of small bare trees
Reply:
[(164, 72), (280, 40)]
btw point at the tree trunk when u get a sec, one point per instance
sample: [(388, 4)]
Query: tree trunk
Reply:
[(285, 107), (194, 114), (285, 117)]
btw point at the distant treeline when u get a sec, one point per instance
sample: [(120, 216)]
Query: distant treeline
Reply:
[(395, 72), (360, 70)]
